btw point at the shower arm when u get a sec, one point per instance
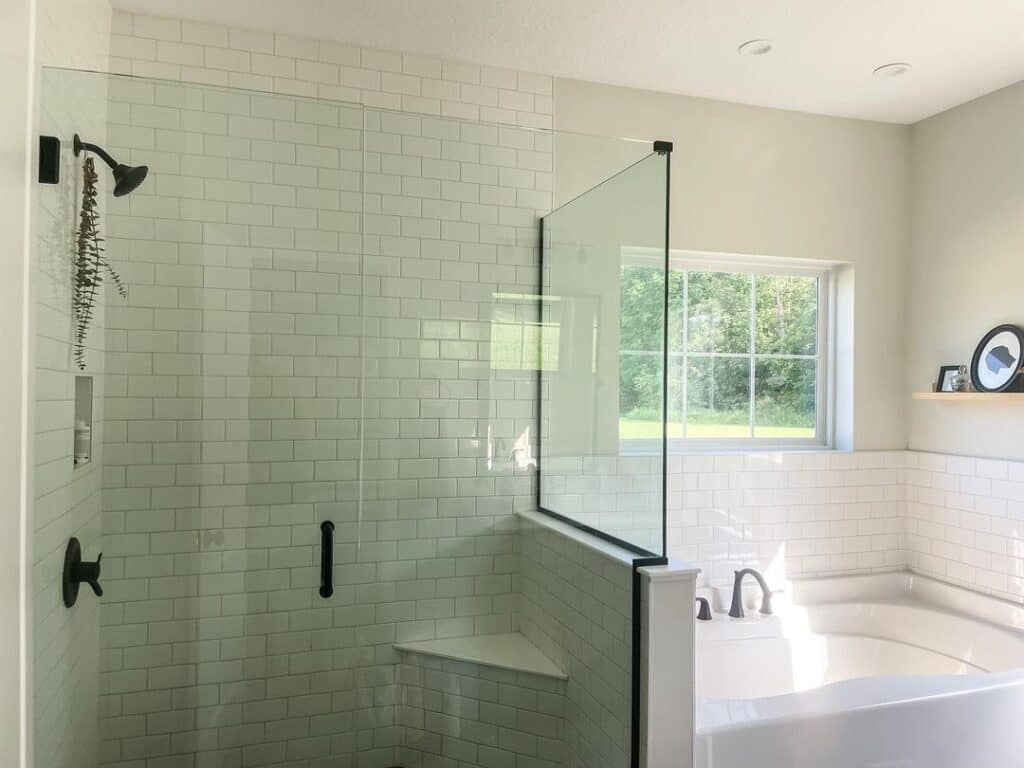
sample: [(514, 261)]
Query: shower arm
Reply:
[(80, 145)]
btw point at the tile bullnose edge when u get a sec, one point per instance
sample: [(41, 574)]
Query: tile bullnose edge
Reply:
[(676, 570), (511, 651)]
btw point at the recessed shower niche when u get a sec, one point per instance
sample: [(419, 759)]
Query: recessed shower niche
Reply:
[(82, 449)]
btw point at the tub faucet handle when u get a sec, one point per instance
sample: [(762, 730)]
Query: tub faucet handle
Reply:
[(704, 610)]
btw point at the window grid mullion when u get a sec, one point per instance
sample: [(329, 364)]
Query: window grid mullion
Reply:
[(685, 362), (753, 352)]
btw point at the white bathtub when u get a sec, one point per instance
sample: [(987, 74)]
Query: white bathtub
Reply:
[(883, 670)]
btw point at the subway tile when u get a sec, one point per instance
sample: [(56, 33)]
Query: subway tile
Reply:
[(156, 28)]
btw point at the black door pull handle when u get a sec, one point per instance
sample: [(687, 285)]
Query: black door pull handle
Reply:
[(326, 559)]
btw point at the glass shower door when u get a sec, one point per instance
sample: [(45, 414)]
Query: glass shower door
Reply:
[(220, 385)]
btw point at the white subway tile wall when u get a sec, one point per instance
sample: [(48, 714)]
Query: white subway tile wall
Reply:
[(451, 228), (66, 498), (965, 521), (788, 514), (576, 606), (256, 307), (173, 49)]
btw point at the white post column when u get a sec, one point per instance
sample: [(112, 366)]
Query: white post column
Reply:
[(669, 594)]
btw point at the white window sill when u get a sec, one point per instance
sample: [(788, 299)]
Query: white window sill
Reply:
[(653, 448)]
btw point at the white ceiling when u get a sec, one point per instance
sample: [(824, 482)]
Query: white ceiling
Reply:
[(825, 49)]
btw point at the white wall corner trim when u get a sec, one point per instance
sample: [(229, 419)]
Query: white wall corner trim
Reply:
[(17, 37)]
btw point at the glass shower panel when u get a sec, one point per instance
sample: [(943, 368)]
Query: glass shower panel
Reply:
[(602, 350)]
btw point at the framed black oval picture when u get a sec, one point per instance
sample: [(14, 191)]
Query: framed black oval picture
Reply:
[(996, 364)]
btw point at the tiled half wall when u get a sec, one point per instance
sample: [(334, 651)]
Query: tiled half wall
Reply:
[(956, 518), (789, 514)]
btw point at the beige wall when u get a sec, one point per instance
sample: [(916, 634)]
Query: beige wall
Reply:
[(764, 181), (967, 264), (73, 33)]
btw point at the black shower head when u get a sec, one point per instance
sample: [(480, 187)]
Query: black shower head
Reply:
[(126, 177)]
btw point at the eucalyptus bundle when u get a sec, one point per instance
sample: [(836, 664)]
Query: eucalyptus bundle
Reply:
[(90, 263)]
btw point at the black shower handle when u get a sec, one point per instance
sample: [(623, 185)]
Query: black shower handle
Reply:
[(78, 571), (326, 559), (89, 573)]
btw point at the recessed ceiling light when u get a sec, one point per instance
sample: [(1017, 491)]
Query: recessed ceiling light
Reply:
[(756, 47), (895, 69)]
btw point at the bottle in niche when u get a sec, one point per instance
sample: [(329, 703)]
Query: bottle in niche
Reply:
[(83, 443), (961, 380)]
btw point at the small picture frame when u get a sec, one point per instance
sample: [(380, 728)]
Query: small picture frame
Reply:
[(946, 378)]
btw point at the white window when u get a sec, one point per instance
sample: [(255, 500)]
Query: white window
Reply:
[(748, 352)]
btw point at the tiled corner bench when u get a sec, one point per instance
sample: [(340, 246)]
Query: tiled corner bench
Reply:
[(494, 701)]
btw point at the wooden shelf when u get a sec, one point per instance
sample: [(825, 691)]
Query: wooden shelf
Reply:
[(970, 396)]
